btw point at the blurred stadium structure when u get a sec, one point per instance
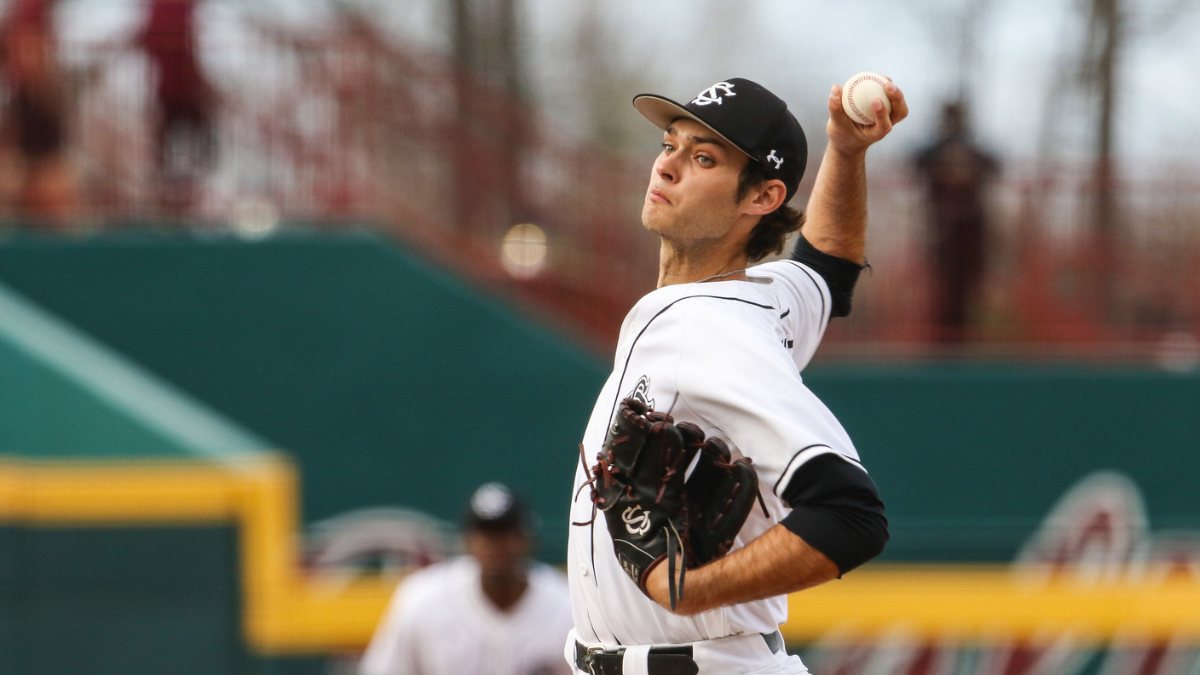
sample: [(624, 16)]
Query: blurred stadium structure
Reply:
[(344, 125)]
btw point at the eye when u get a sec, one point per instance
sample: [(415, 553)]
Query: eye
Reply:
[(668, 148), (704, 160)]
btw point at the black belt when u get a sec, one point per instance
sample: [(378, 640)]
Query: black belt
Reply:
[(675, 660), (661, 661)]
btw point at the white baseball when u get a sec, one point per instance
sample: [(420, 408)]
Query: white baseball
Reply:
[(858, 94)]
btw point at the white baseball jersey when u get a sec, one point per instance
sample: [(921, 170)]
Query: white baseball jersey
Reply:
[(440, 623), (726, 356)]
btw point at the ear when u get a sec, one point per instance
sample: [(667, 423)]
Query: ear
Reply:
[(765, 198)]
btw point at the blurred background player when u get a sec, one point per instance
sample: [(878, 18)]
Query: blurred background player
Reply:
[(35, 124), (186, 102), (491, 612), (956, 172)]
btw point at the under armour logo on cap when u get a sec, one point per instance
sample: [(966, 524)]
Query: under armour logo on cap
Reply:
[(709, 96), (774, 158)]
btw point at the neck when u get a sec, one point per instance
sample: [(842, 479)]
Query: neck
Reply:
[(684, 265), (505, 590)]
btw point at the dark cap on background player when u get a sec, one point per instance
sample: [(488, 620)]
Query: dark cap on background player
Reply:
[(747, 115), (495, 508)]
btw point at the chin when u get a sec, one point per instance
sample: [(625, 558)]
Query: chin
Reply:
[(655, 221)]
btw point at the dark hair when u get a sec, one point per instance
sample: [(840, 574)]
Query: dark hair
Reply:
[(772, 230)]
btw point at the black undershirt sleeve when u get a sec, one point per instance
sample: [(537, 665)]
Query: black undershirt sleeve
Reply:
[(840, 274), (836, 509)]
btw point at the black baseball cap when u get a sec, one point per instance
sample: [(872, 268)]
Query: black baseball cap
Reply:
[(495, 508), (744, 113)]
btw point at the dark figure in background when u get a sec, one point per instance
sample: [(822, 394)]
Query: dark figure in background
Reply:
[(956, 173), (35, 120), (185, 102)]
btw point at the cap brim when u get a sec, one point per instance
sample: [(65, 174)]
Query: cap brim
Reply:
[(663, 111)]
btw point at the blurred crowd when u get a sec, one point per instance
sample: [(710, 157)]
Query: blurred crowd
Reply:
[(42, 184), (445, 147)]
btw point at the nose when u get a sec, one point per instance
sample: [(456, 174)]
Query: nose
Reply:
[(667, 168)]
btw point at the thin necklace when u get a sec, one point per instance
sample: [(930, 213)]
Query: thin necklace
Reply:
[(718, 276)]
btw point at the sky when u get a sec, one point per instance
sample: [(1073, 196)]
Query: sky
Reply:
[(798, 48)]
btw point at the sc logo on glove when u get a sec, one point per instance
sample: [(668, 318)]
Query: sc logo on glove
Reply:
[(636, 520)]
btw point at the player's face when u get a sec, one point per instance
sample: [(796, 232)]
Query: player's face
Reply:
[(692, 197), (499, 553)]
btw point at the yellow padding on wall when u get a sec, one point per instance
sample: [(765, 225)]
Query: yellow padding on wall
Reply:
[(291, 611), (286, 610), (983, 604)]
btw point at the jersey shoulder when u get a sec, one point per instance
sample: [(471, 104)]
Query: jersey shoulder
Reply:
[(551, 591), (743, 303), (717, 296), (549, 578), (673, 319), (806, 304), (797, 280), (788, 269), (432, 584)]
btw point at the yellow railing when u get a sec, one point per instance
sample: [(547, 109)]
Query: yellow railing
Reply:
[(286, 610), (980, 604), (291, 611)]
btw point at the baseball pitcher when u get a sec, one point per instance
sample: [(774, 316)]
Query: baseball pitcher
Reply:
[(712, 482)]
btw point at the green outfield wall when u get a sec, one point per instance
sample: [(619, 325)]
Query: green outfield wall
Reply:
[(120, 600), (392, 382), (80, 594), (389, 380), (970, 458)]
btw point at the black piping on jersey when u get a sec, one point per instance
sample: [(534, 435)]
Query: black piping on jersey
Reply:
[(620, 386), (821, 295), (625, 368), (787, 466), (789, 310)]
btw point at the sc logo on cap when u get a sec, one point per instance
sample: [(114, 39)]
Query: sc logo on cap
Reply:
[(709, 96)]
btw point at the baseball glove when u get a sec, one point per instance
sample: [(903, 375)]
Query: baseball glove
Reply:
[(651, 512), (721, 492)]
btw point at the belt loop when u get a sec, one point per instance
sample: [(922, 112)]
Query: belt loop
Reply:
[(774, 641), (589, 659), (635, 661)]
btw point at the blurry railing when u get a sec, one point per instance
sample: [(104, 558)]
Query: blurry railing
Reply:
[(340, 125), (1051, 288)]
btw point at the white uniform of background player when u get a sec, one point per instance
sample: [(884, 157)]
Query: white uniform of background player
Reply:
[(442, 622), (726, 355)]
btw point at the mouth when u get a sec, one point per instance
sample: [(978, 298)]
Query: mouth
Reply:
[(657, 196)]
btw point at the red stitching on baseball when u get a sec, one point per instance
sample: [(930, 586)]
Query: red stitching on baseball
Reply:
[(850, 95)]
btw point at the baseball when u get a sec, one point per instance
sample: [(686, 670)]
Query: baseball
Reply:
[(859, 92)]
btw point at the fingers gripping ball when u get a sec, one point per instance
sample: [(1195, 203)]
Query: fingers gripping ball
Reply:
[(858, 94), (639, 487)]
